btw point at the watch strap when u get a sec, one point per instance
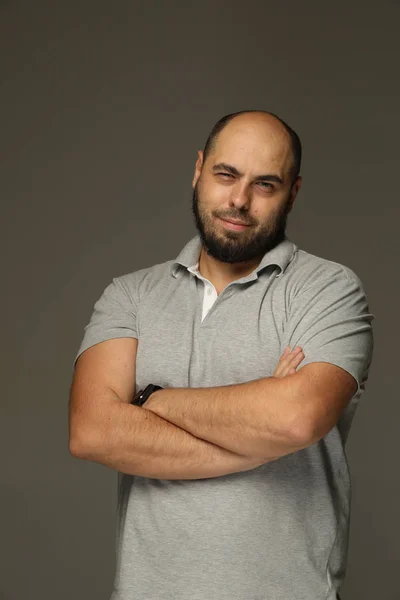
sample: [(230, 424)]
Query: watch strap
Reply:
[(142, 395)]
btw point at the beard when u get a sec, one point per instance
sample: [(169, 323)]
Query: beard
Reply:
[(230, 246)]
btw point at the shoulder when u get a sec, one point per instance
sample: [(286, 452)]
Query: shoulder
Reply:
[(309, 271), (136, 283)]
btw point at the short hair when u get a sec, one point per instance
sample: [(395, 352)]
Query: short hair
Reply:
[(294, 138)]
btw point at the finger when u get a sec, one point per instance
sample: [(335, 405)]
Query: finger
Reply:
[(296, 360), (297, 349), (288, 361), (292, 356), (296, 352)]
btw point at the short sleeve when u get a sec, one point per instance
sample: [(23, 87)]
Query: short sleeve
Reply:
[(330, 319), (114, 316)]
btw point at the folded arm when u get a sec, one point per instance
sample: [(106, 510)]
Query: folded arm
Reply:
[(106, 428), (261, 418), (137, 442)]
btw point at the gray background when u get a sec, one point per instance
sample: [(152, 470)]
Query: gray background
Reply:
[(103, 108)]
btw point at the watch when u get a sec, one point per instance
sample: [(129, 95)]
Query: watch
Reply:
[(142, 395)]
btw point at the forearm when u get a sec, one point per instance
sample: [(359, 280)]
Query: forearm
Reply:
[(256, 418), (137, 442)]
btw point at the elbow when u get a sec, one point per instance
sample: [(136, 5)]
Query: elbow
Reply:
[(301, 435), (75, 437), (84, 433), (75, 448), (303, 430), (275, 444), (301, 427), (76, 445), (81, 443)]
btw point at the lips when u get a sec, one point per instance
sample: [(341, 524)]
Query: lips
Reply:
[(235, 222), (236, 226)]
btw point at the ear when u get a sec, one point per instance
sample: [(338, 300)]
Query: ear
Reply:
[(294, 191), (197, 170)]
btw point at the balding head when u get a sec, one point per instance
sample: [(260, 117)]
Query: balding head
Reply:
[(259, 132)]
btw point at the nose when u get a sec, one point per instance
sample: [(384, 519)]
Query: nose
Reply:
[(240, 195)]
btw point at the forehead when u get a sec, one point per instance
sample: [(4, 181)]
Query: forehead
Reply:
[(254, 145)]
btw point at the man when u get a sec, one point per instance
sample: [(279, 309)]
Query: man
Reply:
[(233, 479)]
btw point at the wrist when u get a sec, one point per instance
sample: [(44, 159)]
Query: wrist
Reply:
[(143, 395), (155, 403)]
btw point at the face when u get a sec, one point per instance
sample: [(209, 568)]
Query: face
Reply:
[(227, 186)]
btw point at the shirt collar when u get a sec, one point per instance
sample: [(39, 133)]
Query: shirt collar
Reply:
[(279, 256)]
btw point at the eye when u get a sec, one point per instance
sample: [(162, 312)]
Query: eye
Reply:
[(265, 183), (225, 175)]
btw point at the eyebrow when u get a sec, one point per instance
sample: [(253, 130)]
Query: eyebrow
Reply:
[(235, 171)]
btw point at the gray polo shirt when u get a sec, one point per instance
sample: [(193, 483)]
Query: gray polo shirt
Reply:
[(279, 531)]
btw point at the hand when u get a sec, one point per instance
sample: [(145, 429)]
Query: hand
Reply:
[(288, 362)]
